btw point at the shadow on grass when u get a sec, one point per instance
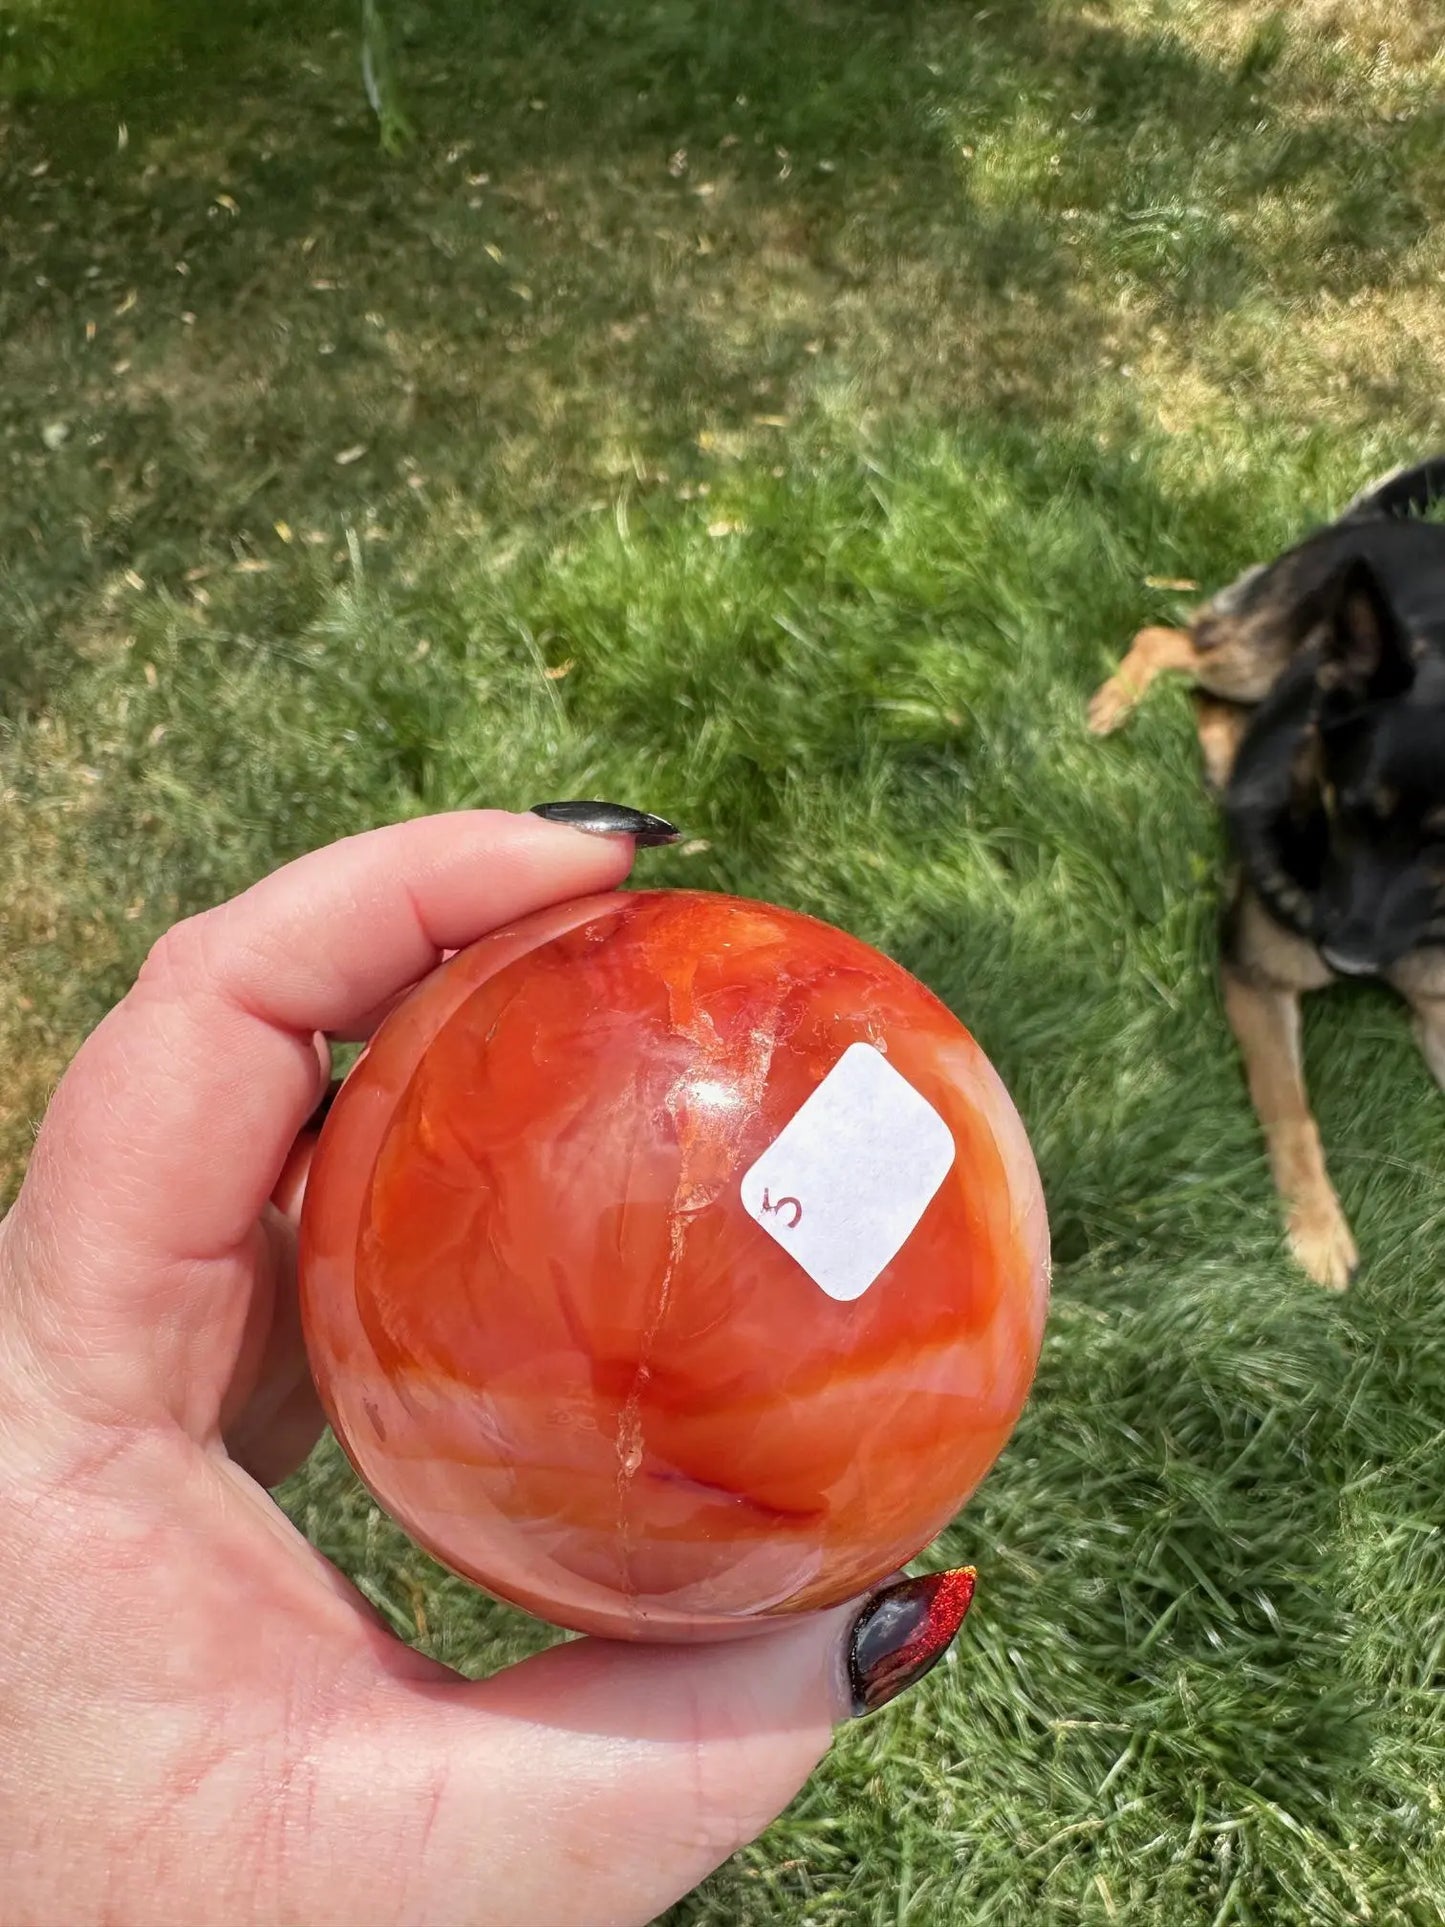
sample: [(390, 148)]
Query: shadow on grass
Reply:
[(643, 252), (630, 236)]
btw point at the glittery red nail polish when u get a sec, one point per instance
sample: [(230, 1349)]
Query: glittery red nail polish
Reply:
[(903, 1632)]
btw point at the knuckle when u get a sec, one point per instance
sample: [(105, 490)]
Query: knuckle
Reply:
[(724, 1807), (186, 958), (175, 954)]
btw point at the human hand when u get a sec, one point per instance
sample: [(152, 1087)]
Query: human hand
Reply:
[(202, 1721)]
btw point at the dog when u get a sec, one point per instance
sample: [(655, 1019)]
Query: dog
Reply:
[(1320, 707)]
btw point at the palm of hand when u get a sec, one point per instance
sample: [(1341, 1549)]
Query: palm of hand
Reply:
[(204, 1721)]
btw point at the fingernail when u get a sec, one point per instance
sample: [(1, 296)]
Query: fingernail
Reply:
[(902, 1633), (610, 819), (328, 1098)]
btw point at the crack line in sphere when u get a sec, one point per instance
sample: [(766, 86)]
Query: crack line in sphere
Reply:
[(691, 1194)]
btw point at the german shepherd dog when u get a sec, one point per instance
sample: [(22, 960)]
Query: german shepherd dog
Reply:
[(1320, 697)]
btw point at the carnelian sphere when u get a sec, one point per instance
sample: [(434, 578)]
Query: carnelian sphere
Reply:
[(671, 1263)]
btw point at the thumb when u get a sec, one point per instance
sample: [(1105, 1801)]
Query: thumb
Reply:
[(594, 1785)]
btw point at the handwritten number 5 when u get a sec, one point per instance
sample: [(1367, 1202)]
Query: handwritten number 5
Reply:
[(784, 1204)]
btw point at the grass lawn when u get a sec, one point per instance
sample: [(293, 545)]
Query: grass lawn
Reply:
[(779, 415)]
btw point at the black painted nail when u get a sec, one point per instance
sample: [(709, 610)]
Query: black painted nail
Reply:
[(611, 819), (902, 1633), (328, 1098)]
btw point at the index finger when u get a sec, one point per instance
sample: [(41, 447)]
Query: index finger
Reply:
[(170, 1128)]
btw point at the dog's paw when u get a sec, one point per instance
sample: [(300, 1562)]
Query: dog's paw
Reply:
[(1321, 1242), (1110, 705), (1430, 1036)]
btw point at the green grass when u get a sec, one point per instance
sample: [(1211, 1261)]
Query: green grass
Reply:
[(818, 387)]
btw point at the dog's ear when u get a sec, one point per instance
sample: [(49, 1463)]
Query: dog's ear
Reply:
[(1366, 655)]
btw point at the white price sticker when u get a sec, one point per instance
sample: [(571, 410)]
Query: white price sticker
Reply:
[(844, 1183)]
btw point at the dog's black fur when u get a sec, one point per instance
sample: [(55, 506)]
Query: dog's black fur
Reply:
[(1322, 716), (1336, 801)]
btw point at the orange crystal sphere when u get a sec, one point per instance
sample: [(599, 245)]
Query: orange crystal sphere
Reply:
[(670, 1263)]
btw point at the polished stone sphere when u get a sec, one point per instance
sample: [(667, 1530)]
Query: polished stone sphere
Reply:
[(671, 1263)]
